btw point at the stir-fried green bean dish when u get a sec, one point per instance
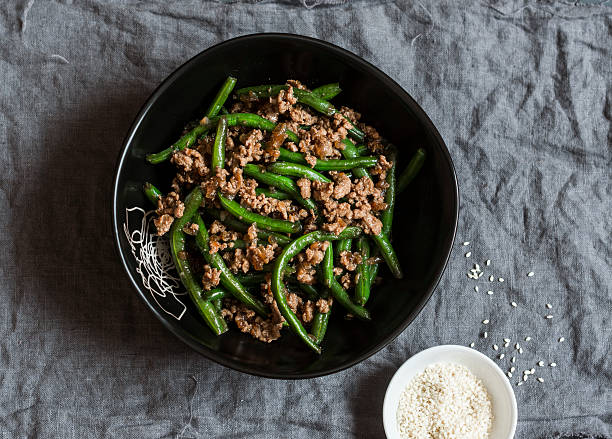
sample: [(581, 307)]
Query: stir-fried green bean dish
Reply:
[(281, 206)]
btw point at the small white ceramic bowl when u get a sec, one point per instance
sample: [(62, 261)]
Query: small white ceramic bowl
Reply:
[(500, 390)]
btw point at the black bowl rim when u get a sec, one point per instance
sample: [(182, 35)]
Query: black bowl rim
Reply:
[(183, 335)]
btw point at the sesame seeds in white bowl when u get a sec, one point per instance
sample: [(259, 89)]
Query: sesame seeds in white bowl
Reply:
[(454, 389)]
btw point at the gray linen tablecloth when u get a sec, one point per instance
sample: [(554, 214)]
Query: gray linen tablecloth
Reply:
[(521, 92)]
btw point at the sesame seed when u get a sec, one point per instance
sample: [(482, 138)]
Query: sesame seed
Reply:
[(532, 371), (531, 273), (512, 369), (513, 359), (468, 254), (513, 304), (549, 316), (501, 279), (527, 338), (520, 383), (486, 334), (466, 243), (525, 377), (553, 364), (517, 346), (491, 278), (495, 347), (548, 305), (476, 288), (520, 350), (485, 321), (506, 344), (472, 344), (540, 363), (471, 276), (501, 356), (526, 372), (473, 270), (541, 380), (480, 275), (507, 340), (488, 262), (561, 339), (509, 374), (477, 267), (490, 293)]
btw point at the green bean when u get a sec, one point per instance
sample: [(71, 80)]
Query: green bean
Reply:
[(218, 149), (327, 265), (343, 245), (239, 226), (215, 294), (207, 123), (339, 293), (251, 279), (350, 152), (373, 273), (362, 289), (310, 291), (411, 171), (218, 304), (327, 91), (263, 222), (328, 165), (221, 96), (297, 170), (273, 193), (228, 280), (152, 193), (386, 249), (362, 150), (283, 183), (178, 252), (261, 91), (283, 259), (319, 325), (387, 215), (237, 243), (311, 99)]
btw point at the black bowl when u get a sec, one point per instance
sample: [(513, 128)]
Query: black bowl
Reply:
[(425, 215)]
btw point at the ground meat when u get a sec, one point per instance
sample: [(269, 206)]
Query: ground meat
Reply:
[(163, 224), (285, 100), (293, 300), (260, 255), (342, 185), (313, 255), (303, 116), (191, 229), (296, 84), (278, 136), (350, 260), (249, 150), (168, 208), (283, 209), (211, 277), (307, 313), (191, 164), (338, 271), (220, 238), (373, 139), (304, 185), (237, 260), (248, 322), (347, 281), (323, 306)]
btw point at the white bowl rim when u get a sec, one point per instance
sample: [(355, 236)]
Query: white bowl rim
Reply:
[(396, 381)]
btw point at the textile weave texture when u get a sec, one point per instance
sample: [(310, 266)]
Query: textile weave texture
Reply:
[(521, 91)]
